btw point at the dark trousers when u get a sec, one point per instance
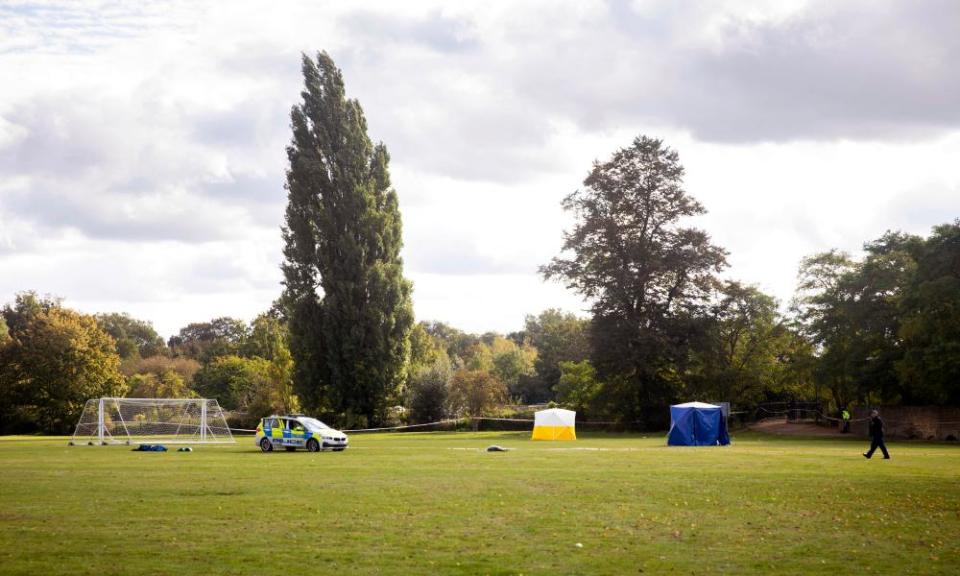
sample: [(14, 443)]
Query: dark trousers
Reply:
[(877, 442)]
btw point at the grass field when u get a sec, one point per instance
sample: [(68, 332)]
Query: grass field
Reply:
[(437, 504)]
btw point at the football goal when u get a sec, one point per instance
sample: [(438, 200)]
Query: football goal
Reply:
[(151, 420)]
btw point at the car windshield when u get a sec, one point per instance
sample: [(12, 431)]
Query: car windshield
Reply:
[(314, 424)]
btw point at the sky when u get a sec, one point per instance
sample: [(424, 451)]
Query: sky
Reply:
[(142, 145)]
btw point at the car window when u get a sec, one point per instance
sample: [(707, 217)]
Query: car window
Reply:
[(314, 424), (269, 423)]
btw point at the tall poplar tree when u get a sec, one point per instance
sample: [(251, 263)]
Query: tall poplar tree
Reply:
[(348, 302)]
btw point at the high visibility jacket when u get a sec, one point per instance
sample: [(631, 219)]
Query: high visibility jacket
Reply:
[(846, 415)]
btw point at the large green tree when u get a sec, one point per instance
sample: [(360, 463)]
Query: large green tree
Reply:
[(135, 338), (269, 340), (513, 364), (455, 342), (428, 391), (230, 380), (425, 349), (558, 337), (853, 311), (739, 355), (647, 275), (475, 392), (578, 386), (348, 301), (879, 284), (884, 329), (826, 309), (204, 341), (930, 367), (53, 361), (253, 386)]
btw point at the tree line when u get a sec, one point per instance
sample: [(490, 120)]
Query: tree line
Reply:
[(664, 323), (880, 329), (886, 327), (53, 359)]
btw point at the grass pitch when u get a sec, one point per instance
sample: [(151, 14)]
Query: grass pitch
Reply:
[(435, 503)]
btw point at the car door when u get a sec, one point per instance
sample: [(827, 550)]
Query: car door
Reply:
[(285, 438), (298, 434), (273, 428)]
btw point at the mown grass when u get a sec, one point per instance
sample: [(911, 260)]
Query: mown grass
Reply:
[(435, 503)]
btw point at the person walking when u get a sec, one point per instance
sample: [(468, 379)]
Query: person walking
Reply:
[(876, 435), (845, 415)]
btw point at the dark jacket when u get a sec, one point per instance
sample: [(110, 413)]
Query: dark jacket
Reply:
[(876, 427)]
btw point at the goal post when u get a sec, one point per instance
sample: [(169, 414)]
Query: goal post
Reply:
[(151, 420)]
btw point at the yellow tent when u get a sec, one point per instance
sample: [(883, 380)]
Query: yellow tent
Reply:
[(555, 424)]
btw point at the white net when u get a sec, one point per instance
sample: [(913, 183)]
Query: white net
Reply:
[(152, 420)]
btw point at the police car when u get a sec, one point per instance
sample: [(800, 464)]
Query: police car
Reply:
[(296, 431)]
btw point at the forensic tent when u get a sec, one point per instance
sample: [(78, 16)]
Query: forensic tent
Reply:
[(554, 424), (697, 424)]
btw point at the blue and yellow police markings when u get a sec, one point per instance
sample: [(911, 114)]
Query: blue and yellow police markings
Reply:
[(283, 436)]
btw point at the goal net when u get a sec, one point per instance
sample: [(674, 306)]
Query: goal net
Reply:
[(151, 420)]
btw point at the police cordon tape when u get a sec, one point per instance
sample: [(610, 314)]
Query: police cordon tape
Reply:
[(585, 422), (404, 427), (817, 412), (441, 422), (437, 423), (807, 410)]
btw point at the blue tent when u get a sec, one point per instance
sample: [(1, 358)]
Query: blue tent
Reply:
[(697, 424)]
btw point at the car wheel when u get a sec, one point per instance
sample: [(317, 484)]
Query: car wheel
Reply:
[(313, 445), (266, 445), (290, 448)]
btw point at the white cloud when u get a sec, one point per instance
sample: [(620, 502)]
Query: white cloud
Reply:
[(142, 146)]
